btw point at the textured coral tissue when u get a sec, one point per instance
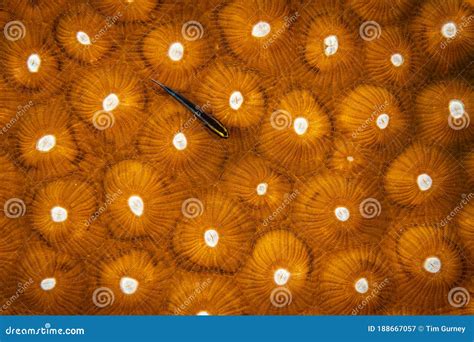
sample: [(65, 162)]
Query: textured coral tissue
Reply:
[(345, 186)]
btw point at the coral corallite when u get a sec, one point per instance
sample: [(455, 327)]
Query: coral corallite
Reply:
[(350, 277), (334, 211), (142, 202)]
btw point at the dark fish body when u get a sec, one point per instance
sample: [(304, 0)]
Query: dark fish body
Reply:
[(210, 122)]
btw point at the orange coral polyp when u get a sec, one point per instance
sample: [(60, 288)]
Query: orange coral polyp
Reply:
[(142, 204), (235, 96), (110, 100)]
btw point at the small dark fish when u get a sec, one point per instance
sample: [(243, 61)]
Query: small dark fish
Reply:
[(212, 123)]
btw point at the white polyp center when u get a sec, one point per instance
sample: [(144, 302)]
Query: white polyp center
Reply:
[(211, 238), (46, 143), (300, 125), (456, 108), (424, 182), (235, 100), (83, 38), (58, 214), (449, 30), (202, 313), (110, 102), (331, 44), (176, 52), (136, 205), (397, 59), (262, 189), (432, 264), (179, 141), (47, 284), (261, 29), (342, 214), (281, 276), (33, 63), (350, 159), (128, 285), (361, 285), (382, 121)]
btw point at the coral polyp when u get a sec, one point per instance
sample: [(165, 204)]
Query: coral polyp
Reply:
[(236, 157)]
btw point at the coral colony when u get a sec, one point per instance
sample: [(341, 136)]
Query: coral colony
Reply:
[(344, 184)]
